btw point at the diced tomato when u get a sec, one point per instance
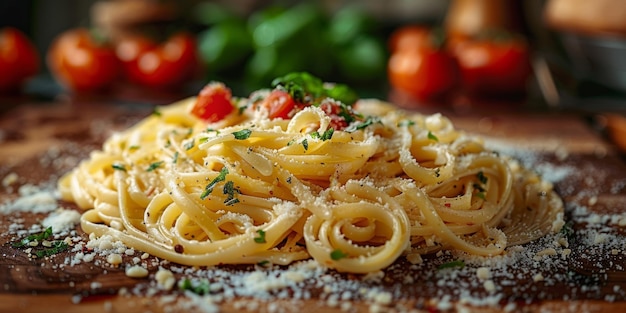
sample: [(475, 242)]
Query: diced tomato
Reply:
[(279, 104), (213, 103), (334, 111)]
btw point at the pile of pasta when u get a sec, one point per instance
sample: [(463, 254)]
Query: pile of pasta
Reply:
[(252, 190)]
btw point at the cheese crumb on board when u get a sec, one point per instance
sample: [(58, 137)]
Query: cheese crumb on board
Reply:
[(136, 271)]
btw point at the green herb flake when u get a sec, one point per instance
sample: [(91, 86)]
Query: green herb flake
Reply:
[(568, 229), (305, 144), (119, 167), (189, 145), (451, 264), (370, 120), (199, 287), (338, 255), (261, 238), (264, 263), (175, 158), (242, 134), (157, 112), (230, 190), (219, 178), (406, 123), (432, 136), (478, 187), (154, 166), (328, 134), (57, 247), (34, 237), (133, 147), (481, 195), (481, 177), (203, 140)]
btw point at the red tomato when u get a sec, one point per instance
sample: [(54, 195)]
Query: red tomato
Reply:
[(128, 51), (213, 103), (165, 65), (409, 37), (334, 111), (279, 104), (19, 59), (493, 66), (80, 62), (422, 73)]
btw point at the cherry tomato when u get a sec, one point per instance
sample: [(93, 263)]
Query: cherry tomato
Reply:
[(422, 73), (19, 59), (279, 104), (491, 66), (213, 103), (82, 63), (128, 50), (409, 37), (335, 112), (159, 65)]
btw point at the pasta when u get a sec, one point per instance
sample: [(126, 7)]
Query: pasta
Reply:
[(249, 189)]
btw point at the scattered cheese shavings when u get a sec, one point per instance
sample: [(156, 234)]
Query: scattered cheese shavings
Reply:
[(62, 220)]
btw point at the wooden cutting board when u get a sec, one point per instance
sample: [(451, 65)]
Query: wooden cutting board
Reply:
[(41, 140)]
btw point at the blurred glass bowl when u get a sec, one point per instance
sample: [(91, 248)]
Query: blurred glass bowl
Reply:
[(599, 58)]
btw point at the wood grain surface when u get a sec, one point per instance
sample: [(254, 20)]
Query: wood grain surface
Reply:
[(41, 140)]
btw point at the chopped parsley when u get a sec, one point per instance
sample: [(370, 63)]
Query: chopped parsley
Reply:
[(406, 123), (370, 120), (156, 112), (154, 166), (203, 140), (261, 238), (432, 136), (305, 144), (34, 237), (481, 177), (451, 264), (219, 178), (119, 167), (190, 144), (242, 134), (478, 187), (264, 263), (568, 229), (55, 247), (133, 147), (230, 190), (175, 158), (200, 287), (483, 180), (327, 135), (212, 130), (338, 255)]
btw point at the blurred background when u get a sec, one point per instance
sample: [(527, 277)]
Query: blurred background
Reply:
[(552, 53)]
